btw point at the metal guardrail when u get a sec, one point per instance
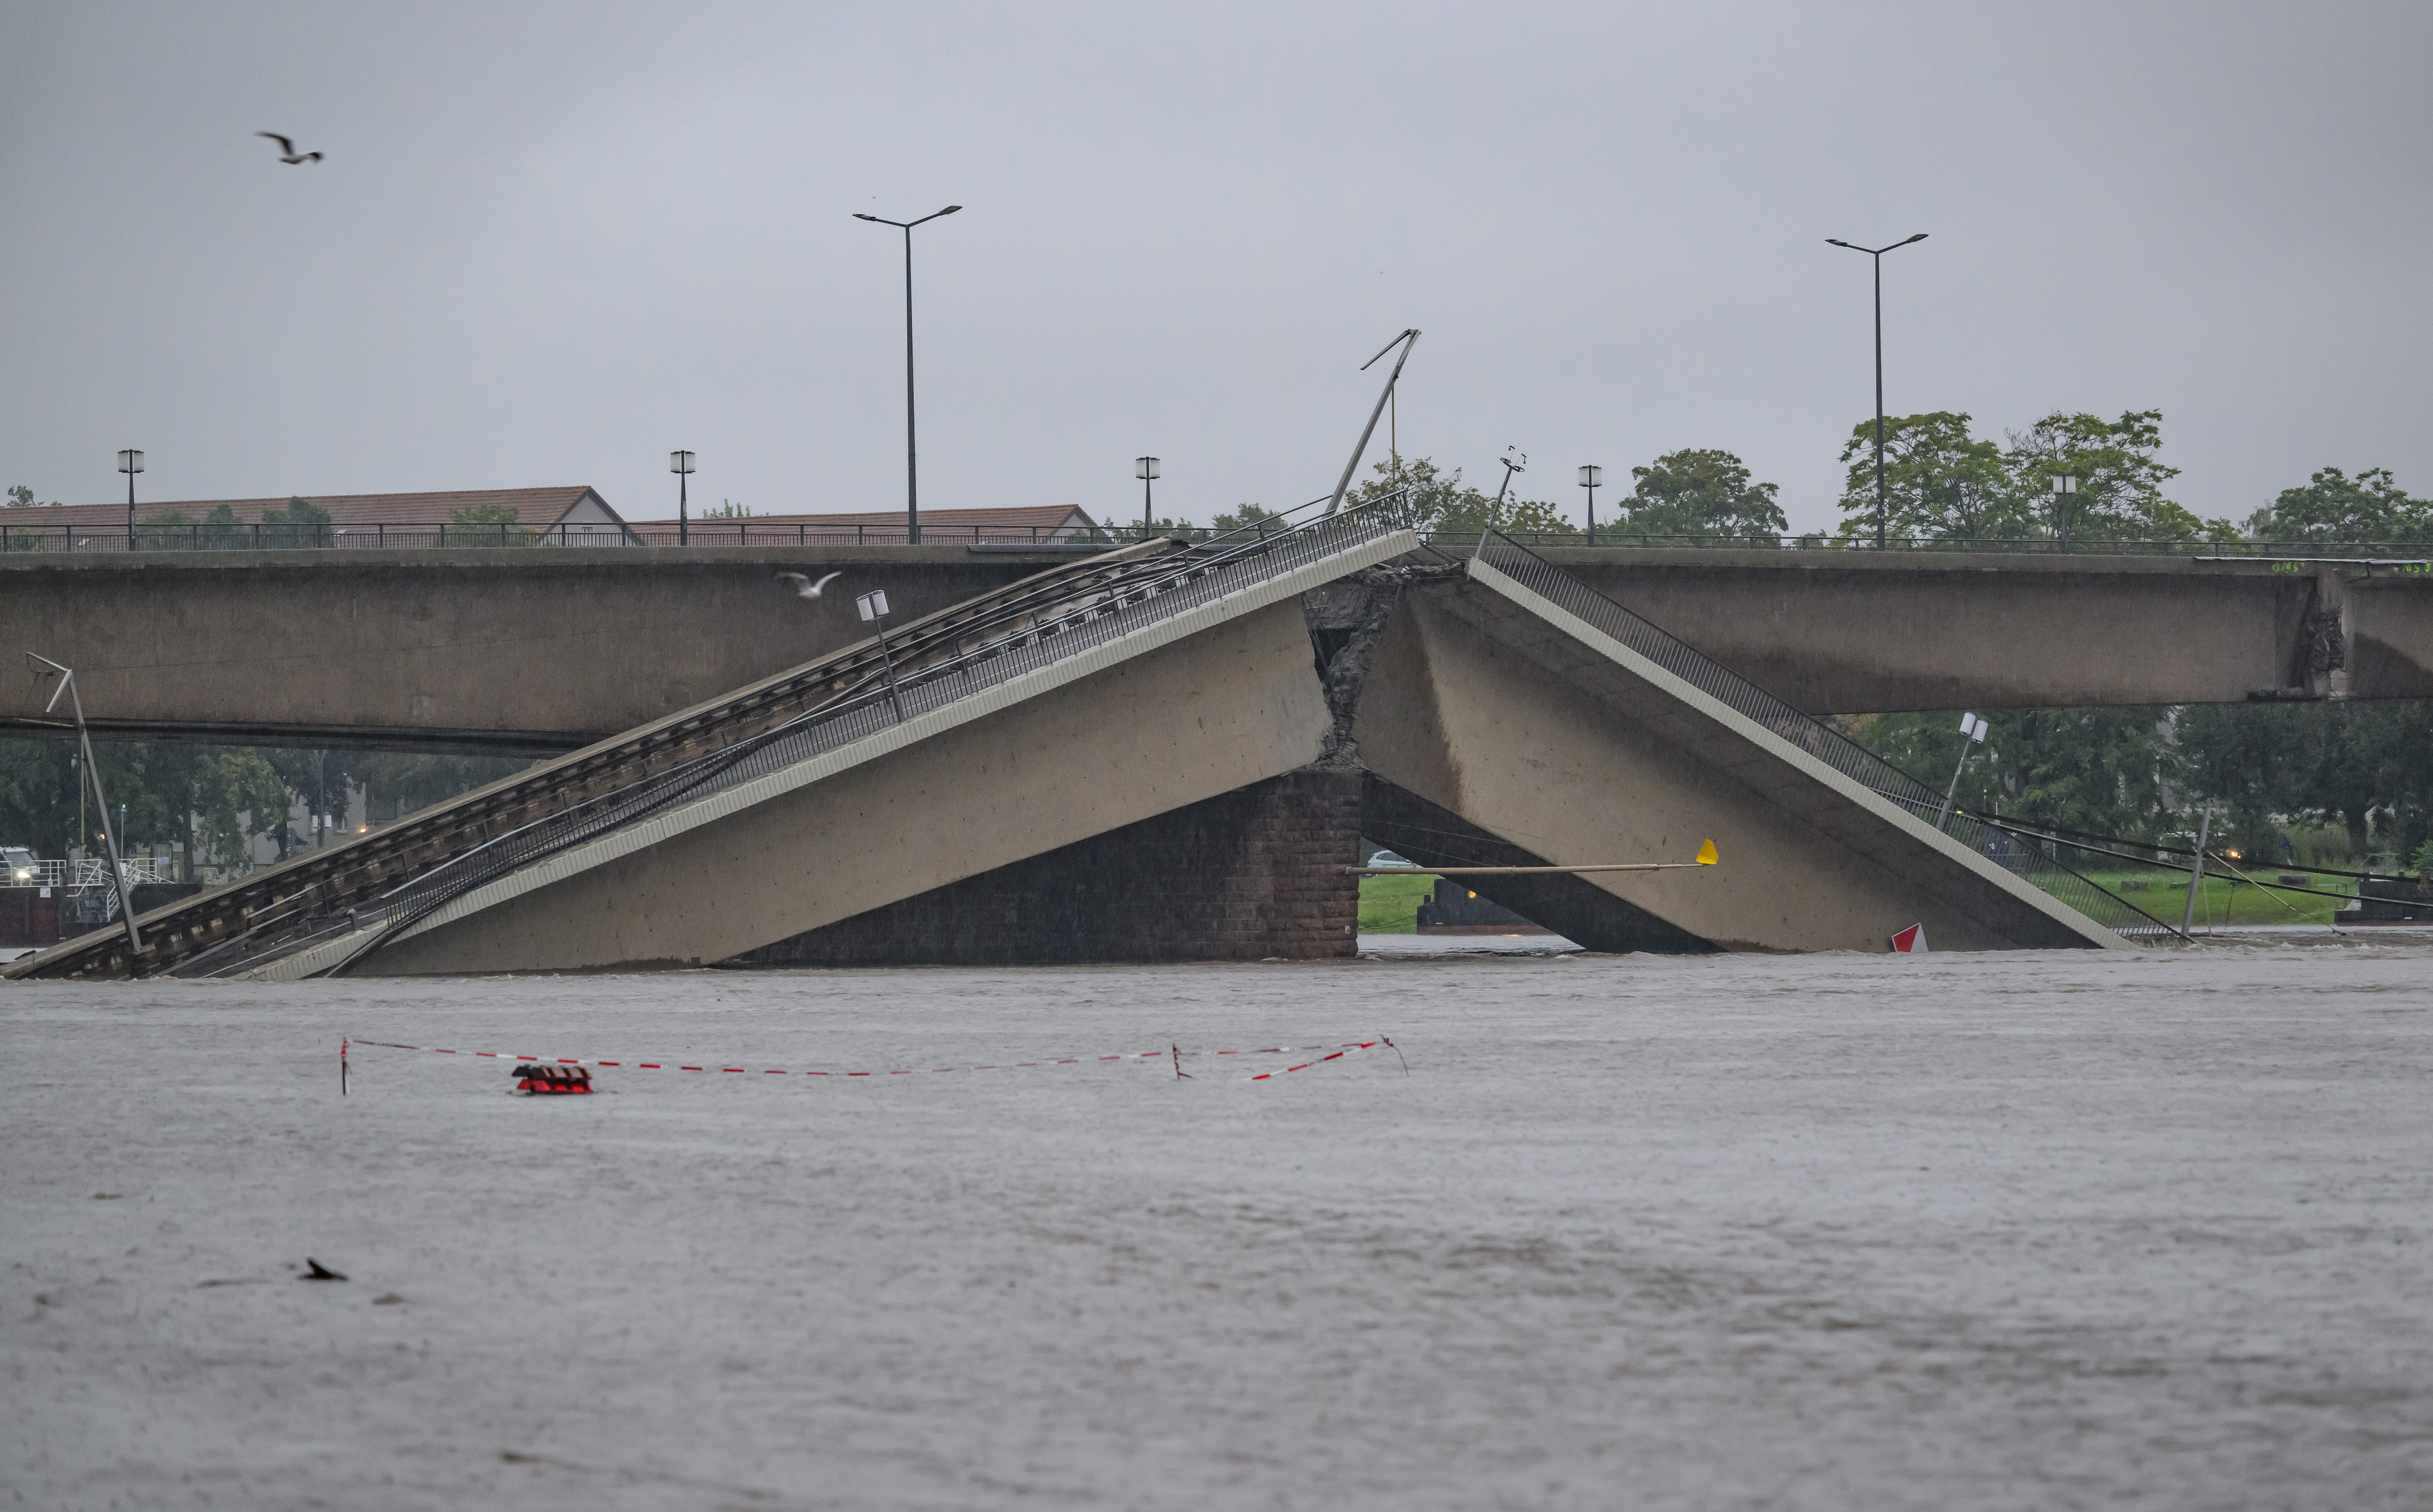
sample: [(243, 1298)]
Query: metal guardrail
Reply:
[(1814, 737), (1467, 539), (91, 871), (412, 535), (1161, 590)]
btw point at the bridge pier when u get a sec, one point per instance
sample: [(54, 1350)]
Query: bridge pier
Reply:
[(1245, 876)]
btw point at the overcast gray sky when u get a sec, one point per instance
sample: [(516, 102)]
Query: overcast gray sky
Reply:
[(550, 242)]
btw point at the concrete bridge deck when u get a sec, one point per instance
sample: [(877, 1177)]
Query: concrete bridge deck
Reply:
[(1118, 696), (539, 652)]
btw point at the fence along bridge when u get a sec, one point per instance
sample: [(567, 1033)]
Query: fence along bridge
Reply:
[(1108, 692)]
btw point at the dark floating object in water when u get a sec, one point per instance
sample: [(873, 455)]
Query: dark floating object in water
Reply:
[(541, 1079), (315, 1271)]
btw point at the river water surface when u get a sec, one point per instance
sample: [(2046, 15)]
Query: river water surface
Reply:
[(1998, 1230)]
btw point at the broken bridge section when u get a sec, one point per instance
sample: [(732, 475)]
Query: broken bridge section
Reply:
[(1512, 716)]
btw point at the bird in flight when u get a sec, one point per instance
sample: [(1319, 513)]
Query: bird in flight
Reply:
[(287, 149), (804, 587)]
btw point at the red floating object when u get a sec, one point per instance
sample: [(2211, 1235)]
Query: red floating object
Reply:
[(545, 1079)]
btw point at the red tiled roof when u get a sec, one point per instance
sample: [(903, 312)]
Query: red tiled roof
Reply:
[(537, 507), (1019, 518)]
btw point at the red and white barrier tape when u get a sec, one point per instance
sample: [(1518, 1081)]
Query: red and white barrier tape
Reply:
[(1337, 1053)]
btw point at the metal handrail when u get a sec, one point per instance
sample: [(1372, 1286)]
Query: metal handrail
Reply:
[(746, 532), (1813, 737)]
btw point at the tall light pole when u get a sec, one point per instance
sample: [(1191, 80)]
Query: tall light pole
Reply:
[(1878, 253), (680, 463), (130, 462), (1590, 479), (912, 452), (1145, 469)]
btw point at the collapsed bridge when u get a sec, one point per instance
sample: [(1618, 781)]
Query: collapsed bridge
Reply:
[(1167, 752)]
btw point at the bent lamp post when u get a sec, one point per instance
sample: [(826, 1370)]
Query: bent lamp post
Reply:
[(44, 667), (1972, 734)]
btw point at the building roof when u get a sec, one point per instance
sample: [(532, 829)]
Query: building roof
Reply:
[(537, 508), (1018, 516)]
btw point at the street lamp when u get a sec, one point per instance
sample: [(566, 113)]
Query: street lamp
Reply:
[(912, 452), (1590, 479), (1878, 253), (2064, 495), (680, 463), (130, 462), (1145, 469)]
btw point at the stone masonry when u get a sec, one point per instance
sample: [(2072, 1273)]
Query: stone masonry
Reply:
[(1251, 873)]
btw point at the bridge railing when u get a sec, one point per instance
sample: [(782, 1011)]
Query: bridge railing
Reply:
[(426, 535), (961, 661), (420, 535), (1813, 737)]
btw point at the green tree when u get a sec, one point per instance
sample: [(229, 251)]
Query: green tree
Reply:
[(2121, 480), (301, 524), (1700, 494), (2366, 767), (2336, 509), (727, 509), (486, 525), (2094, 769), (1439, 501), (1940, 483)]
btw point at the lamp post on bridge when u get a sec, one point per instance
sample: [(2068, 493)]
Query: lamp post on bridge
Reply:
[(1878, 253), (2064, 504), (912, 452), (680, 463), (1590, 479), (1145, 469), (130, 462)]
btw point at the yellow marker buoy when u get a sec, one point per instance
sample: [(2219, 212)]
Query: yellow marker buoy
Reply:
[(1707, 852)]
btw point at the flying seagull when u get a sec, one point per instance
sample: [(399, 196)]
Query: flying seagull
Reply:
[(287, 149), (804, 587)]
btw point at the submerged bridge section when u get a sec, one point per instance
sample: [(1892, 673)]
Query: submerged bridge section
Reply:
[(1161, 752)]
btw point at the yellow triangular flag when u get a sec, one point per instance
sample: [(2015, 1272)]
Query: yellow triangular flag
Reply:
[(1707, 854)]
